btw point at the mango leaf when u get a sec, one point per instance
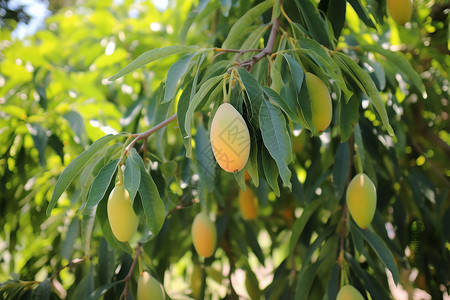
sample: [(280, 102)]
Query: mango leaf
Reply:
[(340, 169), (317, 26), (300, 223), (43, 291), (296, 72), (306, 279), (276, 138), (348, 117), (253, 242), (205, 157), (381, 249), (101, 183), (150, 56), (270, 170), (106, 263), (368, 88), (183, 105), (40, 140), (288, 108), (233, 38), (151, 201), (87, 226), (69, 241), (400, 63), (176, 71), (254, 93), (132, 174), (362, 12), (359, 144), (336, 14), (72, 170), (102, 290)]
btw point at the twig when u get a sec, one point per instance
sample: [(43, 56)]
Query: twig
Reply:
[(146, 134), (130, 272), (72, 263)]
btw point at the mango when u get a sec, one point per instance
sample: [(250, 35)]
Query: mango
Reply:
[(197, 281), (248, 203), (362, 199), (149, 288), (121, 216), (321, 106), (204, 235), (400, 10), (230, 138), (348, 292)]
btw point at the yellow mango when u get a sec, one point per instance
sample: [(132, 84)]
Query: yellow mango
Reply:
[(362, 199), (321, 106), (400, 10), (204, 235), (149, 288), (248, 203), (348, 292), (121, 216), (230, 139)]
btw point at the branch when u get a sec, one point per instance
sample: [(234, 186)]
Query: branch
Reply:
[(130, 272), (248, 64), (72, 263), (146, 134)]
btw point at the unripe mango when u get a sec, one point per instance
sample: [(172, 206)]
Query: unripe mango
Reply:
[(362, 199), (204, 235), (230, 139), (149, 288), (121, 215), (197, 281), (248, 203), (321, 106), (400, 11), (348, 292)]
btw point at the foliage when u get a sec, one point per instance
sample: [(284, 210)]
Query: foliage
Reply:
[(74, 95)]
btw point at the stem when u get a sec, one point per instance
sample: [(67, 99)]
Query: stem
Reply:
[(146, 134), (72, 263), (130, 272)]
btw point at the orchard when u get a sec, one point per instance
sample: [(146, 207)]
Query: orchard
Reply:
[(232, 149)]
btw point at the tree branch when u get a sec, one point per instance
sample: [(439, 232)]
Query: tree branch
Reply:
[(130, 272)]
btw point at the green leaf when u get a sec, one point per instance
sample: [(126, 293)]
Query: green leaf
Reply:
[(102, 290), (151, 201), (286, 107), (317, 26), (348, 117), (106, 263), (87, 226), (77, 124), (43, 291), (205, 157), (276, 138), (85, 287), (359, 145), (336, 14), (368, 88), (199, 96), (300, 223), (69, 241), (101, 183), (72, 170), (400, 63), (296, 72), (270, 170), (340, 169), (253, 242), (254, 93), (176, 71), (362, 12), (381, 249), (183, 105), (306, 279), (40, 140), (151, 56), (132, 174), (243, 23)]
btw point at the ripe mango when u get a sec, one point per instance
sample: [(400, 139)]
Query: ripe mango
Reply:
[(321, 106), (248, 203), (149, 288), (204, 235), (121, 215), (230, 139), (400, 11), (348, 292), (362, 199)]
